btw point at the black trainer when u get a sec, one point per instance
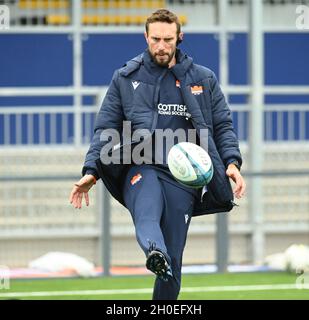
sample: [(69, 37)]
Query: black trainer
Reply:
[(157, 263)]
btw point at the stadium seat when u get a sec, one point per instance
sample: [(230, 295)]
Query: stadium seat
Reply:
[(138, 20), (183, 19), (54, 19), (103, 19), (96, 4), (89, 4), (27, 4), (35, 20), (125, 20), (123, 4), (43, 4), (120, 19), (155, 4), (113, 19), (86, 19)]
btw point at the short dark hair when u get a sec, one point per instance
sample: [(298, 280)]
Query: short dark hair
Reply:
[(163, 15)]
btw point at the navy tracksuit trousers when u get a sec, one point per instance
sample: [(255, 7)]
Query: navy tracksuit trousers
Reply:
[(161, 213)]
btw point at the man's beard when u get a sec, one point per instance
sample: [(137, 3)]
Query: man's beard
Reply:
[(165, 63)]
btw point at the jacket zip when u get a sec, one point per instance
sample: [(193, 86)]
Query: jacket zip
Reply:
[(156, 101)]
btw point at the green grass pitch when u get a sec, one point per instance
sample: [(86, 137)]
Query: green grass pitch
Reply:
[(239, 286)]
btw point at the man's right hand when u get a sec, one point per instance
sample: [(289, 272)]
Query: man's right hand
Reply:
[(81, 189)]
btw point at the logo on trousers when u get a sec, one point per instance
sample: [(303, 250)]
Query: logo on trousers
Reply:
[(4, 278), (136, 179), (186, 218), (4, 17)]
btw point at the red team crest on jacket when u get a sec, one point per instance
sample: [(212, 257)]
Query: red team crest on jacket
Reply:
[(136, 179)]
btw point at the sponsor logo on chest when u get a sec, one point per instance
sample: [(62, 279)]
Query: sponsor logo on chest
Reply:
[(173, 110), (135, 84)]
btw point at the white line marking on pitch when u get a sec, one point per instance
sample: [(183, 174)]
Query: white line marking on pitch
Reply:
[(149, 290)]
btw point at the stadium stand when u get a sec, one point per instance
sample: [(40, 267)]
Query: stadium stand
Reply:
[(119, 20), (57, 20), (43, 4), (120, 12), (95, 12), (123, 4)]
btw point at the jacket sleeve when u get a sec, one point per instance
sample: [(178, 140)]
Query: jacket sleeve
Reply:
[(224, 134), (110, 116)]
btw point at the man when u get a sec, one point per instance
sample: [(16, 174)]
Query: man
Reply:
[(162, 88)]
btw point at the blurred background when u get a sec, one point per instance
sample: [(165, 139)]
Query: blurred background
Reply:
[(56, 61)]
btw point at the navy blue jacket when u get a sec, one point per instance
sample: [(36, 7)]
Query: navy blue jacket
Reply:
[(208, 110)]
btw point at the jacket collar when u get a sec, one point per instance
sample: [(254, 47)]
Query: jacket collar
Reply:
[(183, 63)]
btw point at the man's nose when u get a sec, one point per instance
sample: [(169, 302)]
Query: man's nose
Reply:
[(161, 45)]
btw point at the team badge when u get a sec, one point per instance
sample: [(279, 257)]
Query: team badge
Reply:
[(136, 179), (196, 90)]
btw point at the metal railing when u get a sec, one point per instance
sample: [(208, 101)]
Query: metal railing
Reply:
[(52, 125)]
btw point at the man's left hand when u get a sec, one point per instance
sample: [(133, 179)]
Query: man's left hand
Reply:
[(233, 173)]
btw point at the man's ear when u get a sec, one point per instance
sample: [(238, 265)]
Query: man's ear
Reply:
[(146, 37), (180, 38)]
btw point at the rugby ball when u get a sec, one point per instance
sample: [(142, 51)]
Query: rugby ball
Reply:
[(190, 164)]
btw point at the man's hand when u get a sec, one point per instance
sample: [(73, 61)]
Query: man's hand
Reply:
[(81, 189), (233, 173)]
